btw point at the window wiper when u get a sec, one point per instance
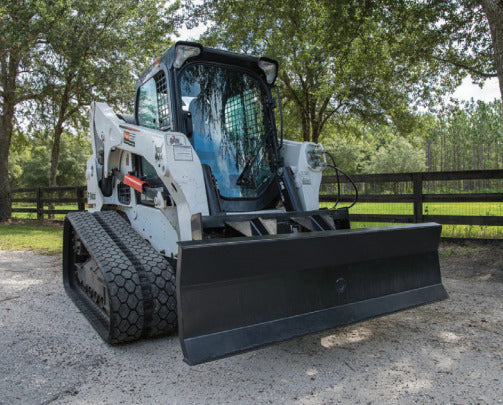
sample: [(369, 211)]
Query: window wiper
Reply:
[(245, 178)]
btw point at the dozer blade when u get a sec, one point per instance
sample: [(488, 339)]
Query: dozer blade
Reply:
[(242, 293)]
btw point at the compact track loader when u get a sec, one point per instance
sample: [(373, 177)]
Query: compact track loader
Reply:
[(198, 180)]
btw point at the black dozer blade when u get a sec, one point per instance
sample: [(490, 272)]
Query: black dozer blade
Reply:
[(242, 293)]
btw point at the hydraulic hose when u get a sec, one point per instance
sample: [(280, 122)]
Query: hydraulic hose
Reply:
[(337, 171)]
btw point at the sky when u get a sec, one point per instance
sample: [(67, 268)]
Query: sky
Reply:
[(466, 91)]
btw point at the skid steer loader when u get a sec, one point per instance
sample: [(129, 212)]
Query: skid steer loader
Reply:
[(198, 180)]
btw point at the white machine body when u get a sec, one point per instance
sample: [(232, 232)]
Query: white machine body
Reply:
[(178, 166)]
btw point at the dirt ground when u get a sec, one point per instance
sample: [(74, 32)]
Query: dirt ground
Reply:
[(447, 352)]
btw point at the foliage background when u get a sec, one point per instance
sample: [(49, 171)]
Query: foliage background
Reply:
[(368, 79)]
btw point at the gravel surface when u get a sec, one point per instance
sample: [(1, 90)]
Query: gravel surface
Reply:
[(447, 352)]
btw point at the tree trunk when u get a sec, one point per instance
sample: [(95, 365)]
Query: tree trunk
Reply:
[(58, 130), (305, 128), (6, 126), (10, 66), (493, 10), (56, 147), (316, 133)]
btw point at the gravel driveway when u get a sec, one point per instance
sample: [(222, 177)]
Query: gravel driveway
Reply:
[(447, 352)]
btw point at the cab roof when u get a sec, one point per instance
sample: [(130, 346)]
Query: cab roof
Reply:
[(208, 55)]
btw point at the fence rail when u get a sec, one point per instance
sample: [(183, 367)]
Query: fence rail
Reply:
[(417, 197), (41, 197)]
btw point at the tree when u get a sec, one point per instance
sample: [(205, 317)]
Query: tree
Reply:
[(22, 25), (336, 58), (469, 37), (466, 137), (18, 156), (399, 156), (60, 54), (93, 53), (493, 10), (75, 150)]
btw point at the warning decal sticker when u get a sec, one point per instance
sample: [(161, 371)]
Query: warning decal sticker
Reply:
[(129, 138)]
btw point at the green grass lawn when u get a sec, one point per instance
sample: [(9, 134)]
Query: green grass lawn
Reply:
[(33, 215), (475, 208), (46, 239)]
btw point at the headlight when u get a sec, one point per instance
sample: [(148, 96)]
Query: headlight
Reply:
[(270, 69), (184, 52)]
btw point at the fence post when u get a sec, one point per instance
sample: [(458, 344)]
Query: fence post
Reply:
[(417, 189), (40, 205), (80, 198)]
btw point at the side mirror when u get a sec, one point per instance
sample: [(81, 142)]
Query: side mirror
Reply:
[(187, 118)]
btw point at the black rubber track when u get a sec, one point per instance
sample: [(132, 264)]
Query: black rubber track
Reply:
[(140, 281)]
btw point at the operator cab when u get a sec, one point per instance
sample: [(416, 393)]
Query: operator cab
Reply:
[(222, 101)]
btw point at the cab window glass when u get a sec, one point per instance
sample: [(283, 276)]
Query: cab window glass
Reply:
[(231, 132), (153, 103), (148, 111)]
